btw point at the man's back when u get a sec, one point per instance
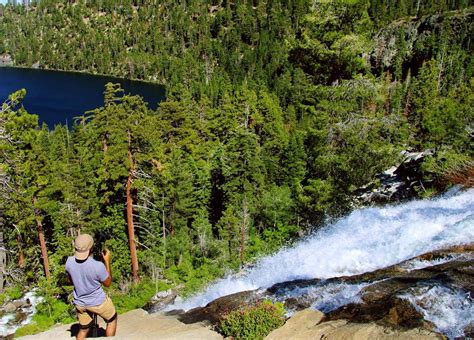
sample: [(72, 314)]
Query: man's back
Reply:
[(87, 276)]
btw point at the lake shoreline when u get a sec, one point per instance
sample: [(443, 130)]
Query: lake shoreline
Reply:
[(148, 82)]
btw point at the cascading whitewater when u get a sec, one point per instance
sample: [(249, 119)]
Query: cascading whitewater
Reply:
[(8, 325), (449, 309), (366, 240)]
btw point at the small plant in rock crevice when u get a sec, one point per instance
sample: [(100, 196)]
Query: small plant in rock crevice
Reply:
[(253, 322)]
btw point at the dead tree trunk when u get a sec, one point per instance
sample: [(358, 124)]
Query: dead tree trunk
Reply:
[(243, 231)]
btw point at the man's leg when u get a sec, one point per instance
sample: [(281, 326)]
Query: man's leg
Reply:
[(111, 328), (82, 334), (85, 321), (107, 312)]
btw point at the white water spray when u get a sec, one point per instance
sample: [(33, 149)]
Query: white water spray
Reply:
[(449, 309), (366, 240)]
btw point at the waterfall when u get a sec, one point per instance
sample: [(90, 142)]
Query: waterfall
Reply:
[(365, 240)]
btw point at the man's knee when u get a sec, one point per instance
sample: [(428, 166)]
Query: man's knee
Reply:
[(112, 319)]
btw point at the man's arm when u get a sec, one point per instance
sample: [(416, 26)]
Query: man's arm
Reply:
[(106, 257)]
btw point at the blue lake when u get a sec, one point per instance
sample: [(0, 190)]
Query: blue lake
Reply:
[(57, 97)]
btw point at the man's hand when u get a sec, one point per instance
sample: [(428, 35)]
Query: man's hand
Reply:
[(106, 255), (106, 258)]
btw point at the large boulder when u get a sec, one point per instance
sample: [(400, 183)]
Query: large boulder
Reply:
[(22, 303), (9, 307), (215, 310), (161, 300)]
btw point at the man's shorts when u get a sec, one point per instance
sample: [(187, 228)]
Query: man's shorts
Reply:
[(105, 310)]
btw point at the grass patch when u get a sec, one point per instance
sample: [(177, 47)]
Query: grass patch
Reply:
[(11, 293)]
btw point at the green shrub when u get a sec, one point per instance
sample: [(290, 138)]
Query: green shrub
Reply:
[(137, 296), (448, 167), (253, 322), (15, 292)]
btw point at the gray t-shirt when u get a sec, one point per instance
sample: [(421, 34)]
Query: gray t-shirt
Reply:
[(87, 277)]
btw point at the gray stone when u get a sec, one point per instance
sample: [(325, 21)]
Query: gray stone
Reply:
[(300, 322), (9, 307), (22, 303)]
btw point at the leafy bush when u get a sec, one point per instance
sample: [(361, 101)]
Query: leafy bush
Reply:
[(11, 293), (253, 322), (137, 296)]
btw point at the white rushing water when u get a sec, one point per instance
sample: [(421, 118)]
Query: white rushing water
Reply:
[(365, 240), (420, 264), (325, 297), (451, 310)]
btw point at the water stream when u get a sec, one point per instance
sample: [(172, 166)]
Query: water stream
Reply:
[(8, 323), (366, 240)]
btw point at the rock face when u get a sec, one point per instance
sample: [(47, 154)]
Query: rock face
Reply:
[(397, 183), (397, 296)]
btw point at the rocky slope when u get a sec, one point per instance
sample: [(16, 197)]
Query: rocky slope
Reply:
[(408, 296), (138, 324), (306, 324)]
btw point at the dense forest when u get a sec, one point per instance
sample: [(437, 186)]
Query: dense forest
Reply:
[(276, 111)]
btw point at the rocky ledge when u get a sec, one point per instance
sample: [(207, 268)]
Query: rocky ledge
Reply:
[(307, 324), (407, 297)]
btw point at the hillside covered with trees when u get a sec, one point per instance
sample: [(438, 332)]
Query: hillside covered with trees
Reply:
[(275, 112)]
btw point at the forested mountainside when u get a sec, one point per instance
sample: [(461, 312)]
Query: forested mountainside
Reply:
[(276, 111)]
